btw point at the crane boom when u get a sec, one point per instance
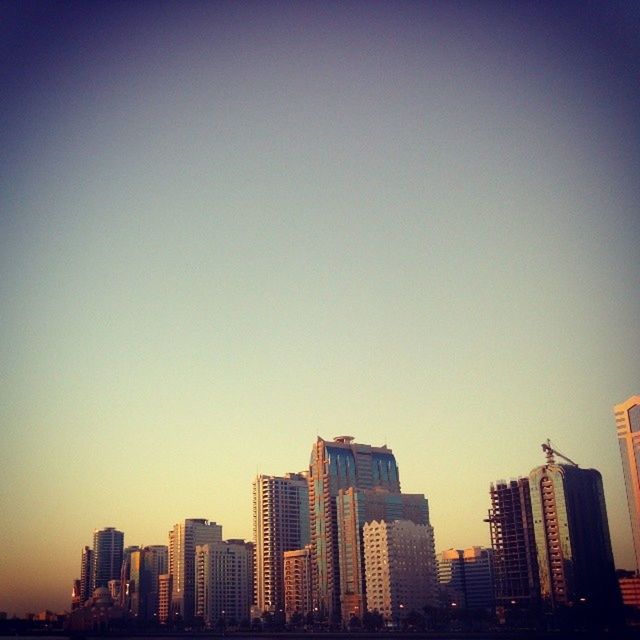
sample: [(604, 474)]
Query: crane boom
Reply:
[(551, 452)]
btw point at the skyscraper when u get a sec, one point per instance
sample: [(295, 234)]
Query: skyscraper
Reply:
[(280, 523), (298, 594), (514, 546), (108, 545), (575, 560), (400, 568), (145, 567), (627, 415), (336, 465), (86, 575), (183, 539), (356, 507)]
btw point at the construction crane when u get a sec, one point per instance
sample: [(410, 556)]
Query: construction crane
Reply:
[(551, 452)]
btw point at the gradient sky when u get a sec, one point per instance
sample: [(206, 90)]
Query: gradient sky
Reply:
[(227, 228)]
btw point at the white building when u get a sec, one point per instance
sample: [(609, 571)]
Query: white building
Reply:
[(183, 539), (223, 588), (400, 568)]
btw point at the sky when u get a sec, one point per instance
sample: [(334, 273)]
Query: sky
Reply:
[(227, 229)]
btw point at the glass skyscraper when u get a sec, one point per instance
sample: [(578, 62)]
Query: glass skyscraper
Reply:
[(108, 546), (627, 415)]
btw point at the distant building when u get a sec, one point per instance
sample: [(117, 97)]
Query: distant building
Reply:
[(164, 598), (125, 570), (399, 568), (630, 591), (108, 545), (183, 539), (280, 523), (355, 507), (86, 574), (146, 567), (223, 593), (336, 465), (575, 561), (627, 415), (298, 582), (100, 613), (515, 560), (465, 577)]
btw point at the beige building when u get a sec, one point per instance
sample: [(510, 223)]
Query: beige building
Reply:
[(400, 568), (164, 598), (627, 415), (223, 591), (298, 583), (280, 523)]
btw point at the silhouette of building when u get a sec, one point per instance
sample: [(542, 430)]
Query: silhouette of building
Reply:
[(183, 539), (627, 416), (86, 575), (515, 560), (336, 465), (280, 523), (108, 545)]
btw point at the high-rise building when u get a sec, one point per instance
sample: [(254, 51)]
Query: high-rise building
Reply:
[(450, 570), (183, 539), (575, 561), (76, 601), (164, 598), (627, 415), (86, 569), (399, 568), (298, 593), (336, 465), (145, 567), (355, 507), (125, 597), (223, 591), (280, 523), (514, 547), (108, 545)]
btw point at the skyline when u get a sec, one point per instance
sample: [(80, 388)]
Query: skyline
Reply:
[(226, 229)]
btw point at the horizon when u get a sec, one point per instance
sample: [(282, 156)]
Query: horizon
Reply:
[(227, 228)]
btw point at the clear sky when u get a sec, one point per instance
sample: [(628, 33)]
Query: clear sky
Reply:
[(227, 228)]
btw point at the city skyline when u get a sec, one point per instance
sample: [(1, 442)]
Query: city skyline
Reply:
[(229, 228)]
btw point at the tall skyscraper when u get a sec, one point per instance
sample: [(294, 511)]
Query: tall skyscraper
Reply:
[(280, 523), (86, 574), (108, 545), (399, 567), (145, 567), (183, 539), (627, 415), (336, 465), (575, 561), (514, 545), (356, 507), (223, 590)]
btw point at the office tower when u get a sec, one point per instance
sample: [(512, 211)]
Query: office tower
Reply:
[(514, 547), (450, 571), (399, 568), (145, 567), (223, 591), (336, 465), (575, 561), (465, 577), (86, 568), (183, 539), (298, 593), (280, 523), (164, 598), (124, 598), (108, 545), (356, 507), (627, 415)]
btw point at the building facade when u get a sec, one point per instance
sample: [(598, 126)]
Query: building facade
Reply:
[(400, 568), (108, 546), (355, 507), (164, 598), (183, 539), (575, 560), (280, 523), (223, 592), (465, 578), (627, 416), (513, 541), (336, 465), (86, 575), (298, 581), (146, 567)]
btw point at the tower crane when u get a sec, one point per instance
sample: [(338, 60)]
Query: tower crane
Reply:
[(551, 452)]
